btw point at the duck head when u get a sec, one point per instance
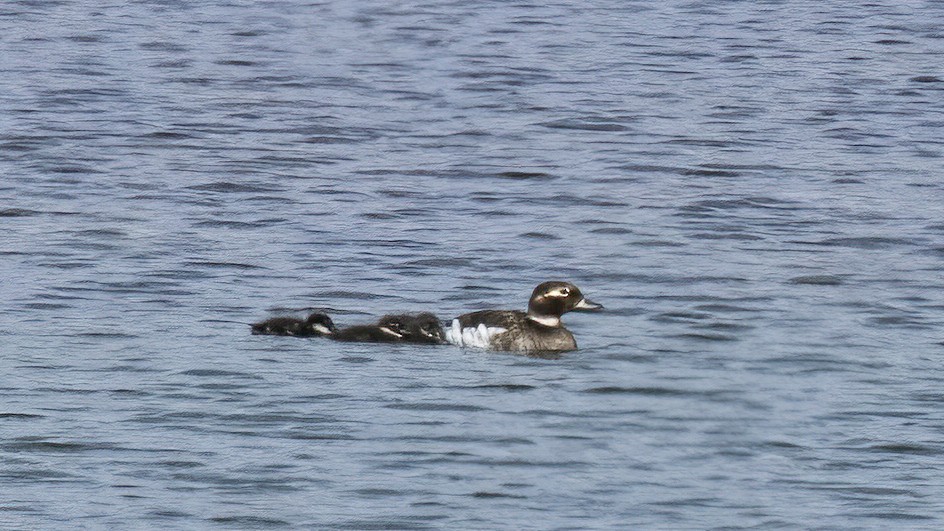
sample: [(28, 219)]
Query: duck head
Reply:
[(426, 328), (552, 299), (320, 323)]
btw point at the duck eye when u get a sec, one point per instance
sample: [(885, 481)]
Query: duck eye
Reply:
[(565, 291)]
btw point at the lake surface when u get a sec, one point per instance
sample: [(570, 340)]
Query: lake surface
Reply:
[(753, 190)]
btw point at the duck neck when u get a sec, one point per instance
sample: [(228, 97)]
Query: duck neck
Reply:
[(546, 311), (547, 320)]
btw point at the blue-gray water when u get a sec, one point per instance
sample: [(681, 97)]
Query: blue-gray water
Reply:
[(754, 191)]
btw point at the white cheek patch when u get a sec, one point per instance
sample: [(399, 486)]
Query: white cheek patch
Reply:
[(391, 332), (475, 337), (322, 329)]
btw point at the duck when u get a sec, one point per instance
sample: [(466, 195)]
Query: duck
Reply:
[(388, 329), (537, 330), (395, 328), (425, 328), (317, 324)]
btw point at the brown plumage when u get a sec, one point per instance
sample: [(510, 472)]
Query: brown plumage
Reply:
[(538, 329)]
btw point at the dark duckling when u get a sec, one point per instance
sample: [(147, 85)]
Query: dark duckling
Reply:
[(425, 328), (317, 324), (389, 329)]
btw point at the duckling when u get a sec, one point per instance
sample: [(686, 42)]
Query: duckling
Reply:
[(425, 328), (317, 324), (389, 329)]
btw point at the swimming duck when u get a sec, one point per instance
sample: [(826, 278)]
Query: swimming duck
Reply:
[(389, 329), (538, 329), (421, 328), (317, 324), (425, 328)]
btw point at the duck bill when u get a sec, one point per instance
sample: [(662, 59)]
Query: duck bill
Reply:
[(586, 305)]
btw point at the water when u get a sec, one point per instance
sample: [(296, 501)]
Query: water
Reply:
[(752, 189)]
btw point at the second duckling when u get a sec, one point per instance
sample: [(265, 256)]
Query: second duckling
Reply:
[(425, 328), (389, 329), (397, 328)]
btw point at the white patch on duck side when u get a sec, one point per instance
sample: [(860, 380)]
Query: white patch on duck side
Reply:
[(454, 333), (322, 329), (470, 339), (476, 337), (547, 320)]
